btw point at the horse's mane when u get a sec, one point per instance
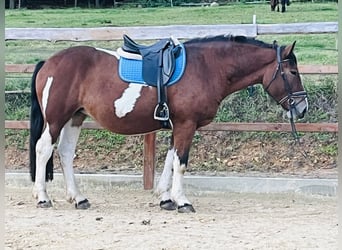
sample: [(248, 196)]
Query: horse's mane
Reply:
[(231, 38)]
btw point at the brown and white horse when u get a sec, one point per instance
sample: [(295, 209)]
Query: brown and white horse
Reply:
[(275, 4), (83, 81)]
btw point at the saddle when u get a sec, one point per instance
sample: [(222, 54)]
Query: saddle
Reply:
[(158, 65)]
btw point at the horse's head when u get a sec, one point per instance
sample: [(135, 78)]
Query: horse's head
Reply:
[(282, 82)]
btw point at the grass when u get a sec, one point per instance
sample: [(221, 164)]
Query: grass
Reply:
[(237, 107), (230, 14), (310, 49)]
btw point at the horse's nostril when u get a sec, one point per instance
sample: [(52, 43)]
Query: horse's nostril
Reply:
[(300, 116)]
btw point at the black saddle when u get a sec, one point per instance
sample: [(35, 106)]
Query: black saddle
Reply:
[(158, 64), (160, 55)]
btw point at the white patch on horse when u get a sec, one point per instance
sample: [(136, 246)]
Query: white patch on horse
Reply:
[(111, 52), (46, 92), (126, 102)]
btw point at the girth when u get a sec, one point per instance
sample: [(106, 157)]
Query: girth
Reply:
[(158, 64)]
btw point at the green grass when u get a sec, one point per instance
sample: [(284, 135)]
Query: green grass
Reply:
[(237, 107), (310, 49), (229, 14)]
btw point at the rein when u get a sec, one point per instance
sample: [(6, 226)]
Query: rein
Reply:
[(289, 97)]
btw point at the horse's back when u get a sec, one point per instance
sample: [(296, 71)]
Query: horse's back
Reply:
[(81, 58), (75, 67)]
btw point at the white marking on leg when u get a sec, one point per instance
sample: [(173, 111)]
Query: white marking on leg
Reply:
[(66, 150), (44, 150), (46, 91), (126, 102), (177, 192), (164, 185)]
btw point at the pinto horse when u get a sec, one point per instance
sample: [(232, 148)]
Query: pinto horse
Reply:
[(275, 4), (83, 81)]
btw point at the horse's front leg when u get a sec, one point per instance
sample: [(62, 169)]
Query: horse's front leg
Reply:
[(283, 8), (66, 150), (165, 181), (177, 191), (171, 189)]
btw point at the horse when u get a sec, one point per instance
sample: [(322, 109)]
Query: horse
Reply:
[(275, 3), (83, 81)]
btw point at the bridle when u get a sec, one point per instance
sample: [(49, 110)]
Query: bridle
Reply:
[(290, 97)]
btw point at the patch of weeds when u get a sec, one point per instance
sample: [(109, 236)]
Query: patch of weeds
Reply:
[(330, 149)]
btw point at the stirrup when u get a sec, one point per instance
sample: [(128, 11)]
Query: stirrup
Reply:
[(161, 112)]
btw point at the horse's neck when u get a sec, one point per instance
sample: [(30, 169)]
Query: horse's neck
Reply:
[(233, 68), (249, 68)]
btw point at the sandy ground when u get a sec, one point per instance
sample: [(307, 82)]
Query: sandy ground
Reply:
[(122, 218)]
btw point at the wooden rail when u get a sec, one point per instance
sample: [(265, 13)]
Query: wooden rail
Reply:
[(221, 126), (159, 32), (303, 69), (180, 32), (150, 139)]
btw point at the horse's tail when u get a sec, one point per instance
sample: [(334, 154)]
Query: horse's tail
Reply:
[(36, 128)]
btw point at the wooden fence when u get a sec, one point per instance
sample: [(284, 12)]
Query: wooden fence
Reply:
[(181, 32)]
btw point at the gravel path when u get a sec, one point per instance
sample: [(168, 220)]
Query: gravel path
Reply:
[(123, 218)]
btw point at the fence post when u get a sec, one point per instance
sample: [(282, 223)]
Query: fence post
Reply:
[(149, 160)]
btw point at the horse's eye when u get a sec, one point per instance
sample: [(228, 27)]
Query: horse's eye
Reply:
[(294, 72)]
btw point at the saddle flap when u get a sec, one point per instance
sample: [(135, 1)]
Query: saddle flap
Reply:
[(151, 67), (168, 64)]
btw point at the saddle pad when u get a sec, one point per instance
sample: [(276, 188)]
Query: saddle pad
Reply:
[(130, 70)]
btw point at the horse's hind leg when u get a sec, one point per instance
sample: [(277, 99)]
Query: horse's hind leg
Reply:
[(44, 149), (66, 150)]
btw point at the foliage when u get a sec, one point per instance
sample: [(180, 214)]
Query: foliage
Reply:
[(259, 107), (239, 107)]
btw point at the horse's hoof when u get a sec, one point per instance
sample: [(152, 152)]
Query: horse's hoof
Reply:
[(44, 204), (186, 208), (85, 204), (168, 205)]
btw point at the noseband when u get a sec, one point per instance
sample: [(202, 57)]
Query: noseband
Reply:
[(290, 95)]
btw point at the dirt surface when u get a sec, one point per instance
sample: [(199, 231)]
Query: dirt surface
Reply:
[(212, 153), (132, 219), (123, 218)]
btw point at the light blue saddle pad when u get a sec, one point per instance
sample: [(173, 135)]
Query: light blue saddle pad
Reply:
[(130, 70)]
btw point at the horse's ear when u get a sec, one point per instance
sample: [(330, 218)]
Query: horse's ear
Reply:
[(289, 49)]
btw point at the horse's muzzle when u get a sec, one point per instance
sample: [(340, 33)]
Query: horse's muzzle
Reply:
[(298, 110)]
